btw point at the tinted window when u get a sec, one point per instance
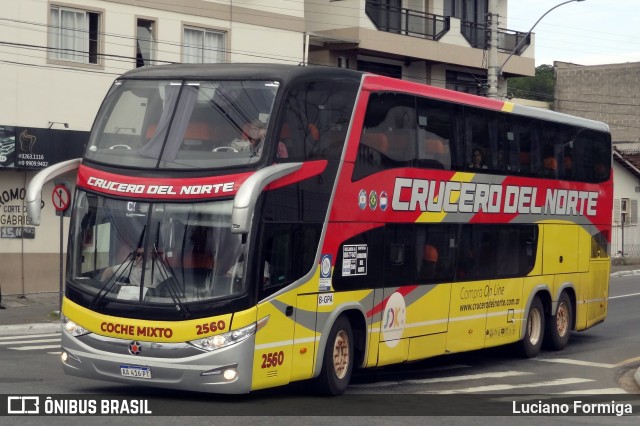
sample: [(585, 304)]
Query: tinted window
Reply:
[(439, 135), (436, 253)]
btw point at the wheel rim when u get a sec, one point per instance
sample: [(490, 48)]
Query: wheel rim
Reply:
[(562, 319), (341, 354), (535, 326)]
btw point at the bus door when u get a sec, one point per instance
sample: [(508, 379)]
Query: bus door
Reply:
[(274, 343), (467, 316), (470, 293), (418, 263), (286, 347), (272, 359), (515, 248)]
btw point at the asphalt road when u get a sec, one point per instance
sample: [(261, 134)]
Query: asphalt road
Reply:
[(477, 385)]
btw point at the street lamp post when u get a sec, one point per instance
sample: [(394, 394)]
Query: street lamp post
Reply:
[(492, 77)]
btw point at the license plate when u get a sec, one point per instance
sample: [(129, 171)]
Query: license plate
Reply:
[(135, 371)]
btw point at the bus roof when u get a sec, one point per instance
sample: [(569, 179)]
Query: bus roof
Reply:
[(235, 71), (287, 73)]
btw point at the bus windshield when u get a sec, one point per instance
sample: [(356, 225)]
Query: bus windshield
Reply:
[(182, 124), (155, 252)]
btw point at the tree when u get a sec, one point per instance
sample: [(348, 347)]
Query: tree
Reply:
[(538, 88)]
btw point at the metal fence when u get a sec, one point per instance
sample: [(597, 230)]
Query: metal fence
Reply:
[(408, 22)]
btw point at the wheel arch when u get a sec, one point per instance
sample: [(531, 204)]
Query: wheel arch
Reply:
[(543, 292), (356, 316)]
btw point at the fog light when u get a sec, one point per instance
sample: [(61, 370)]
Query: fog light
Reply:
[(64, 357), (230, 374)]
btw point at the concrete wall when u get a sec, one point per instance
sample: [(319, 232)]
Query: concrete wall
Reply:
[(609, 93), (29, 265)]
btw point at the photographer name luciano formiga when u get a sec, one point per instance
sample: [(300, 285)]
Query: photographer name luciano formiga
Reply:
[(577, 408)]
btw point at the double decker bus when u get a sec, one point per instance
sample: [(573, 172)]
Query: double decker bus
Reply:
[(238, 227)]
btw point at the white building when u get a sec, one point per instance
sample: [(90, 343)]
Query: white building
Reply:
[(58, 59), (625, 238)]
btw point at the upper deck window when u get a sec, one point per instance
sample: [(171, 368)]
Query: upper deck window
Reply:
[(183, 124)]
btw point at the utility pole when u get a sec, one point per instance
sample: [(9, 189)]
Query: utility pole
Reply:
[(492, 60), (493, 70)]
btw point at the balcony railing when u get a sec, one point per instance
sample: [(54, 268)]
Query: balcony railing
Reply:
[(407, 21), (478, 36)]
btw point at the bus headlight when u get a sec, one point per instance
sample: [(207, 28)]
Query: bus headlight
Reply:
[(222, 340), (72, 328)]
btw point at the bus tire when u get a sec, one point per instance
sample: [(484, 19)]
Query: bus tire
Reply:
[(337, 363), (534, 330), (559, 325)]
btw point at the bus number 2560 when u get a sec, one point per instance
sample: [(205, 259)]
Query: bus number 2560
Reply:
[(210, 327), (272, 359)]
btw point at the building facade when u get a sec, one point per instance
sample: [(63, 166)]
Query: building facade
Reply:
[(439, 42), (610, 93), (59, 58)]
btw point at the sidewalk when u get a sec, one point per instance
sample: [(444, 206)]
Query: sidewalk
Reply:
[(31, 314)]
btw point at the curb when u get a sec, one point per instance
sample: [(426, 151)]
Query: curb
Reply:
[(626, 273), (26, 329)]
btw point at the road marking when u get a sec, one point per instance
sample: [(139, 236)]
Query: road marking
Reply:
[(628, 361), (22, 340), (30, 336), (443, 379), (55, 353), (32, 348), (576, 362), (624, 295), (505, 387), (468, 377), (608, 391)]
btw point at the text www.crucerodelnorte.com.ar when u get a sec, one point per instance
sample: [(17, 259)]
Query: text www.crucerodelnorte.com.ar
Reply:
[(489, 304)]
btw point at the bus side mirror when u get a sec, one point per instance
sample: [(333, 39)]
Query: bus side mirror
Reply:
[(245, 200)]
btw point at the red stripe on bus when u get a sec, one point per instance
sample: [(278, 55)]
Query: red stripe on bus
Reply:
[(380, 306)]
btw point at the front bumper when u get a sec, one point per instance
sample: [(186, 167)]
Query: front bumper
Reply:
[(172, 365)]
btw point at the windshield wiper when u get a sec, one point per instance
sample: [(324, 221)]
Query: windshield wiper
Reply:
[(113, 279), (128, 263), (169, 279)]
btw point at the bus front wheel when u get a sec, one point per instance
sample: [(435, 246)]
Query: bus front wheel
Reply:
[(337, 363), (534, 331), (559, 325)]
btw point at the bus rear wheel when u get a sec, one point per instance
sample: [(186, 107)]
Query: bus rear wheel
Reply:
[(337, 363), (534, 331), (559, 325)]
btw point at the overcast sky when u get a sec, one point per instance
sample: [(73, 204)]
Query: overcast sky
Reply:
[(590, 32)]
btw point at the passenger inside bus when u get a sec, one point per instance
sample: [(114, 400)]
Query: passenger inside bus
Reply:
[(430, 262), (550, 168), (236, 272), (600, 171), (250, 139), (477, 159)]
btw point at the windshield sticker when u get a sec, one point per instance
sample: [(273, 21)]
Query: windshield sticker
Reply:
[(354, 260)]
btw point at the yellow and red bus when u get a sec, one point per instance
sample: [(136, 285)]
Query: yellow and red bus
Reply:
[(238, 227)]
